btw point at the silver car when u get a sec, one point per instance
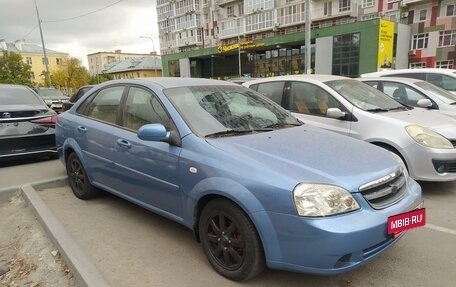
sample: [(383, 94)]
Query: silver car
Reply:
[(425, 141), (415, 93)]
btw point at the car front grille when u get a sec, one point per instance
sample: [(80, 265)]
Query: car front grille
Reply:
[(385, 191)]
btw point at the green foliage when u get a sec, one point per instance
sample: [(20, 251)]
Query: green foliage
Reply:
[(98, 79), (13, 70), (71, 75)]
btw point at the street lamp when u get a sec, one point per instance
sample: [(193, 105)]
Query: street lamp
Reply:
[(154, 54), (238, 18)]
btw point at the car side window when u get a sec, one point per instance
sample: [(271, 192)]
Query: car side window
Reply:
[(443, 81), (402, 93), (310, 99), (272, 90), (104, 105), (142, 107)]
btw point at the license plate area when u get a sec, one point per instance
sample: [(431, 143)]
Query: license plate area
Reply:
[(400, 223)]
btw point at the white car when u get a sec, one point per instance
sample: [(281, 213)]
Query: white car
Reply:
[(425, 141), (443, 78), (415, 93)]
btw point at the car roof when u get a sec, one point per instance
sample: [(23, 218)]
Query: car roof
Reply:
[(171, 82), (391, 79), (419, 71), (301, 77)]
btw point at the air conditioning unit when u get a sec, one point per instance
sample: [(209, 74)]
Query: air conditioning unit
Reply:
[(412, 52)]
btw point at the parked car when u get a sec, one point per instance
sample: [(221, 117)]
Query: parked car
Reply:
[(415, 93), (443, 78), (425, 141), (76, 96), (255, 185), (27, 124), (53, 97)]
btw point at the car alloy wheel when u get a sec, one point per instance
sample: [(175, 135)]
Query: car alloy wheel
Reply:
[(230, 241), (78, 179)]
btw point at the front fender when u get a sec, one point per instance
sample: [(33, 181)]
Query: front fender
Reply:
[(239, 194)]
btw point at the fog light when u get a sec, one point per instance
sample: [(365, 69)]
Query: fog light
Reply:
[(441, 168)]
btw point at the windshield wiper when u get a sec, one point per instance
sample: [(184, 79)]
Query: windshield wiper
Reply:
[(377, 110), (405, 107), (228, 133), (281, 125)]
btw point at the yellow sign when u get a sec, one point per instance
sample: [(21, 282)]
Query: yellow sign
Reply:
[(385, 44), (244, 45)]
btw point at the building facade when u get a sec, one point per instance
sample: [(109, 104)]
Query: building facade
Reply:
[(228, 38), (136, 68), (33, 55), (101, 61)]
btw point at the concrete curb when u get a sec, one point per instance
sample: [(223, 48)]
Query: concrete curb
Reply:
[(84, 271)]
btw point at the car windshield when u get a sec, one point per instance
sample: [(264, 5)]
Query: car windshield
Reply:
[(53, 93), (227, 110), (364, 96), (440, 93), (15, 96)]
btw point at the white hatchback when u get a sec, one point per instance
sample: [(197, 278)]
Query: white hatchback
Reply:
[(425, 141)]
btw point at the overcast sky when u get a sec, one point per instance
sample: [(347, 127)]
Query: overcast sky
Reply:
[(116, 27)]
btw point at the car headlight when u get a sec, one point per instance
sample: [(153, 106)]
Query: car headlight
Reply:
[(428, 138), (316, 200)]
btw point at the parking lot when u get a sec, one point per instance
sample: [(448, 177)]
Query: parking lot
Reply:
[(134, 247)]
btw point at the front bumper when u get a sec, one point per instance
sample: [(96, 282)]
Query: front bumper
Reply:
[(334, 244)]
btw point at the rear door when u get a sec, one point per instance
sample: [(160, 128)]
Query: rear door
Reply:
[(95, 132)]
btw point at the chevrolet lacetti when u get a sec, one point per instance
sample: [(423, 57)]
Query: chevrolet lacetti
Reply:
[(257, 186), (425, 141)]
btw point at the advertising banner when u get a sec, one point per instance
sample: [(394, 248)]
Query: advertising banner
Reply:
[(385, 44)]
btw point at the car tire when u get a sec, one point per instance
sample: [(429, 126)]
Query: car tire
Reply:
[(79, 181), (230, 241)]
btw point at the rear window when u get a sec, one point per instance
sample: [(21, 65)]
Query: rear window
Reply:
[(18, 96)]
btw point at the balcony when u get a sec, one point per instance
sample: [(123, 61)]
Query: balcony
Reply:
[(223, 3)]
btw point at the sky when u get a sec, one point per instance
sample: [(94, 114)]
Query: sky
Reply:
[(110, 25)]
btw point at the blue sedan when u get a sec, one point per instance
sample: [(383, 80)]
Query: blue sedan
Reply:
[(257, 186)]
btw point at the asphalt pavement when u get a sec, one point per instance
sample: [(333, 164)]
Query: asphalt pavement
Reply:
[(131, 246)]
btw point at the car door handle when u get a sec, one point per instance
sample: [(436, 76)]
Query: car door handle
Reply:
[(123, 143), (82, 129)]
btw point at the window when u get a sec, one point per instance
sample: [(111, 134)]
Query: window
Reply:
[(344, 5), (272, 90), (447, 38), (417, 65), (420, 41), (450, 10), (402, 93), (104, 105), (43, 61), (141, 108), (32, 75), (369, 16), (310, 99), (230, 11), (420, 15), (368, 3), (28, 60), (58, 61), (444, 64), (346, 55), (327, 9)]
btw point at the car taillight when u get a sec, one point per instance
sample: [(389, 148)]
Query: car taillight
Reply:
[(46, 121)]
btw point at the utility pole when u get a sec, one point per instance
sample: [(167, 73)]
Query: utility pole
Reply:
[(154, 53), (46, 62), (308, 39)]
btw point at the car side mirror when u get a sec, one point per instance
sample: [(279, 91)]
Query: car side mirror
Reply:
[(424, 103), (153, 132), (335, 113)]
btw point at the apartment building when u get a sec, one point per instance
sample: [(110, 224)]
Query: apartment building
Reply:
[(225, 38), (33, 55)]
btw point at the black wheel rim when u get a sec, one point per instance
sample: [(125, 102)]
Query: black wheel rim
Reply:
[(77, 175), (225, 241)]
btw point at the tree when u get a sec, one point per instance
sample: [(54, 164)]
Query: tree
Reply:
[(71, 75), (13, 70)]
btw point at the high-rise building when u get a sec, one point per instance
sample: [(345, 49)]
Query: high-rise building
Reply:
[(225, 38)]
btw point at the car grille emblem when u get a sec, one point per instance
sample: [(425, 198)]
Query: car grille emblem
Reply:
[(6, 115)]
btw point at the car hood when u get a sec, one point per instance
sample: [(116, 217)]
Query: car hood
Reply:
[(309, 154), (439, 123)]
